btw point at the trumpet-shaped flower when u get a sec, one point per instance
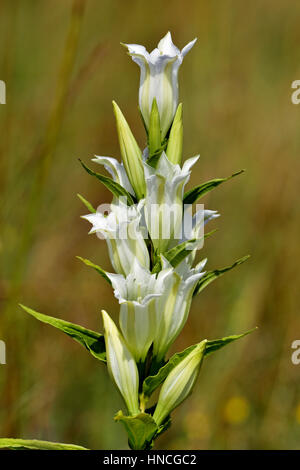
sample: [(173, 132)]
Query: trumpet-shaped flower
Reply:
[(138, 294), (163, 207), (174, 304), (193, 228), (121, 365), (159, 78), (180, 383), (123, 233)]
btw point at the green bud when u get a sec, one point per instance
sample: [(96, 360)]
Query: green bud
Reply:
[(174, 149), (121, 365), (131, 154), (154, 129), (179, 383)]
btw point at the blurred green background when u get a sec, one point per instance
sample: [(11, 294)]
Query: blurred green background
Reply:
[(62, 64)]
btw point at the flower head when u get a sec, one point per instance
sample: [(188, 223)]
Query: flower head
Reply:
[(138, 294), (174, 305), (163, 206), (159, 78), (123, 233)]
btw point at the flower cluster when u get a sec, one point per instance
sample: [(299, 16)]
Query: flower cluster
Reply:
[(150, 248)]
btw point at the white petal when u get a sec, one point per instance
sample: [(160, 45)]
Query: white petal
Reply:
[(189, 163), (116, 169), (167, 47), (188, 47)]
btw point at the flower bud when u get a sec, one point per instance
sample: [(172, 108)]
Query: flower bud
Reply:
[(131, 154), (174, 149), (179, 383), (121, 365), (154, 137)]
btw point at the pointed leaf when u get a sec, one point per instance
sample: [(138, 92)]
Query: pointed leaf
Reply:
[(141, 430), (196, 193), (179, 252), (110, 184), (91, 340), (215, 344), (86, 203), (33, 444), (152, 382), (210, 276), (97, 268)]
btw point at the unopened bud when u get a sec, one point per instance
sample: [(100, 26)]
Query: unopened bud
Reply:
[(121, 365), (131, 154), (179, 383), (174, 149)]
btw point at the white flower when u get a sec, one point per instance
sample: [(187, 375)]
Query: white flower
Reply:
[(174, 305), (179, 383), (137, 294), (193, 228), (123, 233), (163, 207), (159, 78), (121, 365)]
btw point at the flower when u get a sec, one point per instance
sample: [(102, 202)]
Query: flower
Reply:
[(123, 233), (159, 78), (193, 228), (180, 383), (175, 142), (137, 294), (174, 305), (163, 206), (121, 365)]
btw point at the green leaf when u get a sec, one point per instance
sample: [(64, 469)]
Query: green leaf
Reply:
[(179, 252), (152, 382), (141, 430), (86, 203), (97, 268), (215, 344), (210, 276), (33, 444), (110, 184), (196, 193), (153, 158), (91, 340)]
